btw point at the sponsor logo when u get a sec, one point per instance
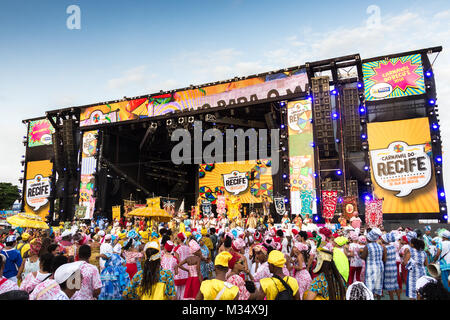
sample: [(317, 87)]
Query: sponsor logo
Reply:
[(235, 182), (381, 90), (46, 139), (401, 167), (37, 192)]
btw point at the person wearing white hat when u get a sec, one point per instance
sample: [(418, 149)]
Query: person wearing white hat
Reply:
[(68, 277), (114, 275), (429, 288), (106, 249)]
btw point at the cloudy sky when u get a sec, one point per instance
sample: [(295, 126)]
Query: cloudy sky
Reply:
[(129, 48)]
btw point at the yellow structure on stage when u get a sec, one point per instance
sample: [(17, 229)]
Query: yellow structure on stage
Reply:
[(234, 204), (152, 211)]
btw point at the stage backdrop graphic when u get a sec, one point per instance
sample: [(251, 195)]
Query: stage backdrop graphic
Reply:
[(219, 95), (88, 168), (232, 179), (38, 187), (402, 166), (301, 157), (40, 133), (393, 78)]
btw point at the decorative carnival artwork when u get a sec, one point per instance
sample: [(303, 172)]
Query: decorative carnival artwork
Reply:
[(374, 212), (329, 199)]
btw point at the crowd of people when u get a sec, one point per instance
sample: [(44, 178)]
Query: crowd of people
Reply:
[(209, 258)]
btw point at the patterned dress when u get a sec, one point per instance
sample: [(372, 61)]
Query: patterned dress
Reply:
[(390, 282), (181, 278), (416, 269), (374, 268), (168, 262), (304, 280), (114, 278), (206, 267), (132, 291)]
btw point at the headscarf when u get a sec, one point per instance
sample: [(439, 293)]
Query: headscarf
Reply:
[(326, 232), (35, 246), (353, 236), (117, 248), (223, 258), (362, 239), (340, 241), (411, 235), (445, 234), (358, 291), (423, 281), (374, 234), (238, 244), (301, 246), (427, 228), (388, 237), (169, 246), (193, 246), (181, 236), (276, 258)]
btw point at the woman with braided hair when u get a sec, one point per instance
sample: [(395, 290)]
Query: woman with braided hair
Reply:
[(329, 284), (152, 282)]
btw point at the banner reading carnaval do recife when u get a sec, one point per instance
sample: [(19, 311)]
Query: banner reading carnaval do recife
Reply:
[(38, 187), (40, 133), (393, 78), (402, 166), (233, 179), (230, 93), (301, 157)]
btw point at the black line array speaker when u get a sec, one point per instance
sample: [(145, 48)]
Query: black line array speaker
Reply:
[(70, 145), (351, 127), (58, 160), (323, 123)]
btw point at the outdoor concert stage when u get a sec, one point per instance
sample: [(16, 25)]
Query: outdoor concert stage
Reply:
[(343, 135)]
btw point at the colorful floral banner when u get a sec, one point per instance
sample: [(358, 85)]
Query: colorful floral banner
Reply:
[(393, 78), (301, 155), (220, 95), (374, 213)]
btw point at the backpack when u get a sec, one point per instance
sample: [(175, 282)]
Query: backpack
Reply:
[(285, 294)]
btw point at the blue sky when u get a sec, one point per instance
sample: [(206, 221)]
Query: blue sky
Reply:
[(136, 47)]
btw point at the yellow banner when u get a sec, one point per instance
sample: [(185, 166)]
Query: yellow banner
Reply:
[(116, 213), (402, 166), (234, 179), (37, 187)]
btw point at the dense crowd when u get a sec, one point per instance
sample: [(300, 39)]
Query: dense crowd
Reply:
[(217, 259)]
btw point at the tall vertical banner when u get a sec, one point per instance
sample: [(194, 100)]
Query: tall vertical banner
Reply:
[(38, 187), (301, 157), (401, 160), (40, 133), (329, 199), (88, 168), (374, 213), (393, 78)]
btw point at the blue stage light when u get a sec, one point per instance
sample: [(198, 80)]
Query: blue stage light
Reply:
[(316, 218), (359, 85), (366, 168), (334, 92), (335, 115), (282, 126), (339, 172), (367, 197), (445, 217), (363, 136), (439, 159), (284, 176), (432, 102), (435, 126), (429, 74), (312, 144), (286, 200), (362, 110), (442, 194)]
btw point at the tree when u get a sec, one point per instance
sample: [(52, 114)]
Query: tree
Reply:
[(8, 195)]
